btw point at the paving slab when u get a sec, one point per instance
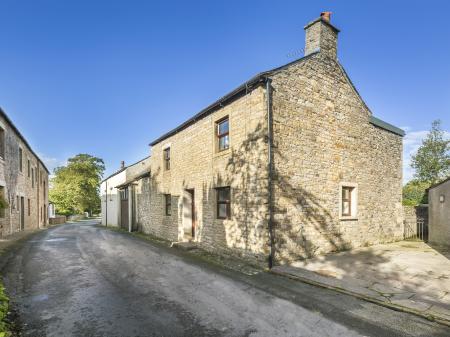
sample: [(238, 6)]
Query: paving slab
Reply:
[(408, 274)]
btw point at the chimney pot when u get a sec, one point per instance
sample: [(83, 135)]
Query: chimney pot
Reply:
[(122, 164), (326, 16)]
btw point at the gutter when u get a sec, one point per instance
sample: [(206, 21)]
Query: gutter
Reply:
[(270, 170)]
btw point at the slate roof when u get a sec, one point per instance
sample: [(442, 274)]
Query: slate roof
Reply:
[(16, 130)]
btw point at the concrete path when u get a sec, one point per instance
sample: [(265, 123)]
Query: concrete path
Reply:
[(82, 280), (407, 274)]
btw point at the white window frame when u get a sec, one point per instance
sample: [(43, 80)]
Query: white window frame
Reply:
[(354, 201)]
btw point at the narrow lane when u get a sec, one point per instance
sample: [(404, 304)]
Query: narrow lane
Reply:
[(82, 280)]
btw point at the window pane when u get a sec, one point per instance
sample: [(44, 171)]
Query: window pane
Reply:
[(223, 142), (223, 127), (222, 211), (223, 194), (345, 193), (346, 207)]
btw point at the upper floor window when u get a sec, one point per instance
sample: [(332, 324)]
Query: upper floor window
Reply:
[(2, 143), (167, 158), (29, 168), (32, 177), (20, 159), (223, 138), (223, 202)]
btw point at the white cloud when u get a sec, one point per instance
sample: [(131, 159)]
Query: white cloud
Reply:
[(411, 143), (52, 162)]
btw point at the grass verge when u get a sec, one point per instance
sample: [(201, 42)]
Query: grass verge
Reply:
[(4, 308)]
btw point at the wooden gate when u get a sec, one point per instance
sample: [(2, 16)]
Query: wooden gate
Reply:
[(124, 222)]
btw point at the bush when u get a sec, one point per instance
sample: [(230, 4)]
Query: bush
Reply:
[(414, 193), (4, 307)]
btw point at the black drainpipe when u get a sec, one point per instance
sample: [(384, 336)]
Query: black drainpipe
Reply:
[(270, 169)]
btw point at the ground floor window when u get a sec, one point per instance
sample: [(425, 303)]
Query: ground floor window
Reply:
[(3, 202), (223, 202), (29, 207), (168, 204), (348, 200)]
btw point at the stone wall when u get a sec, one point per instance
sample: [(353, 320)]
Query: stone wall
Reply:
[(198, 166), (29, 184), (323, 138)]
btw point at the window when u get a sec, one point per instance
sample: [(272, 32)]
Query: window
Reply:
[(29, 207), (348, 201), (18, 203), (442, 198), (29, 168), (223, 202), (2, 143), (168, 204), (20, 159), (32, 177), (223, 139), (167, 159)]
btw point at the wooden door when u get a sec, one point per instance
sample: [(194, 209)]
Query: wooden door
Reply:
[(22, 213), (124, 208)]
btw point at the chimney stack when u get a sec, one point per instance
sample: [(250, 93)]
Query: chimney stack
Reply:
[(122, 164), (321, 36)]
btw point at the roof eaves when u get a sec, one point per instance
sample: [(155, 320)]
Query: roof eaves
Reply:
[(439, 183), (16, 130), (386, 126), (250, 84)]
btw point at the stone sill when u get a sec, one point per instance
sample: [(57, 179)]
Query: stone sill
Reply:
[(348, 218)]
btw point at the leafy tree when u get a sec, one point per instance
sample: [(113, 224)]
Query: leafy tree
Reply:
[(414, 193), (432, 160), (75, 187)]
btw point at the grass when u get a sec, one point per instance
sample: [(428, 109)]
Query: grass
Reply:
[(4, 308)]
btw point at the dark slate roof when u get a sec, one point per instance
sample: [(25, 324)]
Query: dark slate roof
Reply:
[(11, 124), (386, 126), (439, 183), (253, 83), (124, 168)]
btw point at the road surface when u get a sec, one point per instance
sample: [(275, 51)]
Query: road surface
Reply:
[(83, 280)]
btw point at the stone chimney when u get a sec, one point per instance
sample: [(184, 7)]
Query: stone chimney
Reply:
[(321, 36), (122, 164)]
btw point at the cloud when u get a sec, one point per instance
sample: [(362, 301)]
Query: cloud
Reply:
[(411, 143), (52, 162)]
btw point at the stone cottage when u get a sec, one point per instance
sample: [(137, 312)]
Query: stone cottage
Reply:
[(23, 182), (288, 165), (439, 213)]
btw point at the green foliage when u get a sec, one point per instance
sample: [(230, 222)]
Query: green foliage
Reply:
[(4, 307), (432, 160), (414, 193), (75, 187), (3, 202)]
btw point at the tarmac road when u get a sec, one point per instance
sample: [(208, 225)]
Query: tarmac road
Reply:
[(83, 280)]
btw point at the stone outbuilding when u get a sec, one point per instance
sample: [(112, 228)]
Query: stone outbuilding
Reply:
[(23, 182), (118, 195), (439, 213), (288, 165)]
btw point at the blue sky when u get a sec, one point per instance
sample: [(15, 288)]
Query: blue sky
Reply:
[(108, 77)]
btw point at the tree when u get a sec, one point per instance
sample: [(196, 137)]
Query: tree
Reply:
[(432, 160), (75, 187), (414, 193)]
